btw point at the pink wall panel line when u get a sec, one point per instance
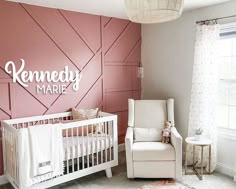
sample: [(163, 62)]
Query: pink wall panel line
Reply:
[(70, 43), (122, 55), (87, 26), (112, 31), (105, 50)]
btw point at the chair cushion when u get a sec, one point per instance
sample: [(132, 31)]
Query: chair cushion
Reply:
[(147, 134), (150, 113), (153, 151)]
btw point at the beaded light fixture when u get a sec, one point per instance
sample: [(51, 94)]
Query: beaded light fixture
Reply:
[(153, 11)]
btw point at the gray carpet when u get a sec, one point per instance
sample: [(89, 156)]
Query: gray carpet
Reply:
[(120, 181)]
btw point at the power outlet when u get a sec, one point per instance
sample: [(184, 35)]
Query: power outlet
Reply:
[(140, 72)]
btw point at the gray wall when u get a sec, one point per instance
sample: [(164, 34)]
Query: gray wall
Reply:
[(167, 57)]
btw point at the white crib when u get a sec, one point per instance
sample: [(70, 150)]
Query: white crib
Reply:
[(85, 153)]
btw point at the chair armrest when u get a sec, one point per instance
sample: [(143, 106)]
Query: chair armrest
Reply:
[(175, 136), (176, 141), (129, 139)]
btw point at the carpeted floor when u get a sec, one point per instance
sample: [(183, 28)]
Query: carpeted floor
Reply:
[(120, 181)]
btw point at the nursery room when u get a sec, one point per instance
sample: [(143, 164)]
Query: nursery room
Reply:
[(123, 94)]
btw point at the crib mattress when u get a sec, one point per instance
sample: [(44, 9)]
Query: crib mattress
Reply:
[(79, 146)]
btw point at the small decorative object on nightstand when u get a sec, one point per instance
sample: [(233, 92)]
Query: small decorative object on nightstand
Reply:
[(198, 134), (202, 142)]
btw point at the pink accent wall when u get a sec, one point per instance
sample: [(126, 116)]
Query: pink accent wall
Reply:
[(106, 50)]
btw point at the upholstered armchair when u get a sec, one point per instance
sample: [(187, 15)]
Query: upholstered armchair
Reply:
[(146, 155)]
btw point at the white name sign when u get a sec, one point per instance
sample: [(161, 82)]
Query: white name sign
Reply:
[(25, 77)]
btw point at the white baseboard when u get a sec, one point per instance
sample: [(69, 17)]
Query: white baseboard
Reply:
[(121, 147), (3, 180), (225, 169)]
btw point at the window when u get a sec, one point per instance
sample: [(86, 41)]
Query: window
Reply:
[(226, 102)]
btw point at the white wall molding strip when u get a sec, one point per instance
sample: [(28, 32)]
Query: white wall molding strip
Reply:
[(225, 169)]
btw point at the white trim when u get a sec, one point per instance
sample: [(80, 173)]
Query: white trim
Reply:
[(234, 178), (227, 133), (121, 147), (3, 180), (225, 169), (228, 27)]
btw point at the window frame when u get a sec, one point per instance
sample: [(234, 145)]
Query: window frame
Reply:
[(227, 31)]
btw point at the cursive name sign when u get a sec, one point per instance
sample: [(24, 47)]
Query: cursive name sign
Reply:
[(26, 77)]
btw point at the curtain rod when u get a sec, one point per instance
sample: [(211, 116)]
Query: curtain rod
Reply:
[(215, 19)]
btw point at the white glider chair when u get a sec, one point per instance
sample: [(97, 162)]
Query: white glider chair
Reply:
[(146, 155)]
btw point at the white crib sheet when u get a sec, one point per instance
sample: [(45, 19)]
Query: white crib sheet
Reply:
[(73, 146)]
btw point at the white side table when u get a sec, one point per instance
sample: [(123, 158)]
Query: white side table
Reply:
[(204, 142)]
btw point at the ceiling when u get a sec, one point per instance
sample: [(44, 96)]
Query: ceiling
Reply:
[(110, 8)]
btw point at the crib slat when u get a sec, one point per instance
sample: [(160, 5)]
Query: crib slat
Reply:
[(97, 143), (113, 140), (11, 154), (87, 150), (105, 141), (109, 133), (17, 162), (92, 146), (78, 148), (4, 146), (15, 159), (67, 151), (83, 155), (73, 152), (101, 144), (6, 151), (14, 156)]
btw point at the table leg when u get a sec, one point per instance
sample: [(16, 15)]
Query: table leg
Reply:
[(201, 163), (209, 159), (186, 163), (193, 156)]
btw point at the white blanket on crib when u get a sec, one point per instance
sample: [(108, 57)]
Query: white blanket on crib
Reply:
[(39, 145)]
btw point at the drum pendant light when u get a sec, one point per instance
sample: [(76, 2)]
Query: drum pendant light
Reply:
[(153, 11)]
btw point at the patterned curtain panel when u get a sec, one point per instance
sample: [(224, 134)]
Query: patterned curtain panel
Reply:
[(204, 89)]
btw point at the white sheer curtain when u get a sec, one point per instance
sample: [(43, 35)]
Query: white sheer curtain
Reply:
[(204, 88)]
